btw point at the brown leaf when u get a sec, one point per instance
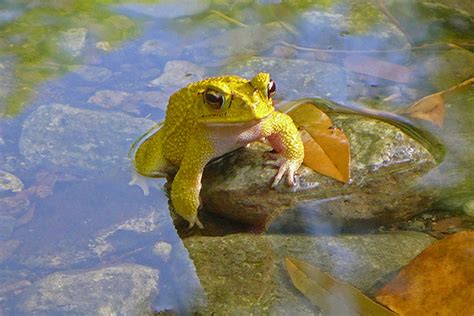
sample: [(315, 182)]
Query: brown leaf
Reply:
[(378, 68), (332, 297), (439, 281), (432, 107), (326, 148)]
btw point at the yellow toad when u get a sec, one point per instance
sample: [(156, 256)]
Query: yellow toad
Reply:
[(212, 117)]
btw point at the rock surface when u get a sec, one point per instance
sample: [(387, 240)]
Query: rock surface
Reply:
[(117, 290), (80, 139), (244, 273), (385, 167)]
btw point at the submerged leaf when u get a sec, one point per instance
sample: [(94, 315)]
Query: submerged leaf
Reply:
[(332, 297), (432, 107), (440, 281), (326, 148), (378, 68)]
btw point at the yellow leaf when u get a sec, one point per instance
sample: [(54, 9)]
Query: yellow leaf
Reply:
[(332, 297), (439, 281), (327, 149)]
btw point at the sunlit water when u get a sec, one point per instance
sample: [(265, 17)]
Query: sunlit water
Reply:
[(80, 82)]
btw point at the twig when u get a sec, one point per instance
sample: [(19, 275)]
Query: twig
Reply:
[(364, 51), (386, 11), (228, 18)]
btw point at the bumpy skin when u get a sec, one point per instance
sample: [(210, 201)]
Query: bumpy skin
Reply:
[(198, 128)]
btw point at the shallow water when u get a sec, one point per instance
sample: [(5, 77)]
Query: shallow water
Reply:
[(79, 83)]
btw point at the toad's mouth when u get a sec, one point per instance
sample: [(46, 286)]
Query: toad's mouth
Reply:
[(221, 119)]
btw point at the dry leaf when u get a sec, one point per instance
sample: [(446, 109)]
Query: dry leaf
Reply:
[(439, 281), (378, 68), (332, 297), (432, 107), (326, 148)]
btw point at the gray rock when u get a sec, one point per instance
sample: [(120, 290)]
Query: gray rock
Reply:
[(245, 274), (298, 78), (80, 139), (385, 167), (178, 74), (237, 44), (93, 73), (9, 182), (169, 9), (117, 290), (72, 41)]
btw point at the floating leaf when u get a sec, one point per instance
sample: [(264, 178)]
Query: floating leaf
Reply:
[(439, 281), (332, 297), (326, 148), (378, 68), (432, 107)]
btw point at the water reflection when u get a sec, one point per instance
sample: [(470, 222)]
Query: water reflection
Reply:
[(80, 81)]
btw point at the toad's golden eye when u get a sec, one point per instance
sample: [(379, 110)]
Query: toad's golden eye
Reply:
[(214, 98), (271, 90)]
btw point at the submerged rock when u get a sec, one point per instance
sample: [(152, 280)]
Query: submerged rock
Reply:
[(385, 168), (237, 44), (352, 26), (117, 290), (169, 9), (178, 74), (73, 41), (244, 273), (9, 182), (80, 139), (298, 78)]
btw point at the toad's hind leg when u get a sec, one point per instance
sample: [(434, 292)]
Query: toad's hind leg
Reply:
[(149, 159)]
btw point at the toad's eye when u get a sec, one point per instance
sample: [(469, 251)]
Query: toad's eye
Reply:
[(271, 90), (214, 98)]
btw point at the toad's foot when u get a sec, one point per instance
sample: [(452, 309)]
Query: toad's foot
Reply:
[(143, 182), (285, 167)]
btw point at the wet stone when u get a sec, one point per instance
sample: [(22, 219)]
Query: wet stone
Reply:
[(386, 167), (117, 290), (244, 274), (80, 139)]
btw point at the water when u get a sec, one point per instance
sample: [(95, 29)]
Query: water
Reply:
[(80, 82)]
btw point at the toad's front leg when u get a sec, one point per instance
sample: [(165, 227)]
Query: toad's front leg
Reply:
[(285, 139), (186, 185)]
